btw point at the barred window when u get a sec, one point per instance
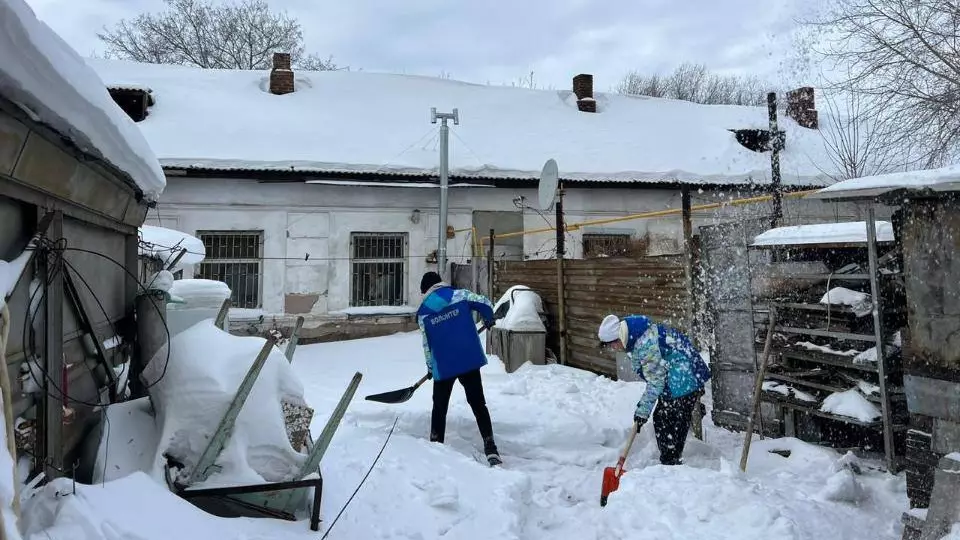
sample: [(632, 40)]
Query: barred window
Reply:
[(235, 258), (378, 264), (606, 245)]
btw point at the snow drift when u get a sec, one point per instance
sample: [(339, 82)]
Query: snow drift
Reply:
[(193, 390), (54, 85)]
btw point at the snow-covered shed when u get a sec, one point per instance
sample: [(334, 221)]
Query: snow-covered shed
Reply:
[(316, 192), (927, 228), (76, 180)]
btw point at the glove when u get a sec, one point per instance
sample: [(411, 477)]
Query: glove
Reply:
[(639, 420)]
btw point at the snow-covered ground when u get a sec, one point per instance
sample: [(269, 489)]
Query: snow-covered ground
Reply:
[(556, 427)]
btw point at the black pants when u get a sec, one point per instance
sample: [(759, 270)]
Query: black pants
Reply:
[(671, 422), (473, 388)]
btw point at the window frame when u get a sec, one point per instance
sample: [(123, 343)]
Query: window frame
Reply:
[(403, 259), (211, 259)]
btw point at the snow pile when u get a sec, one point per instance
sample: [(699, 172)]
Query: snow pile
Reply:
[(523, 308), (946, 178), (787, 390), (7, 483), (824, 233), (867, 356), (205, 292), (161, 281), (137, 508), (192, 391), (556, 436), (825, 349), (859, 302), (850, 403), (49, 80), (166, 244), (234, 123), (868, 389), (376, 310), (843, 485), (9, 275)]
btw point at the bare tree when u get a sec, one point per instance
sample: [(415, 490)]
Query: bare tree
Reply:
[(858, 138), (904, 55), (199, 33), (693, 82)]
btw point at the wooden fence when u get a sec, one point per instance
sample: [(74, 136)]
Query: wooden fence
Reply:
[(593, 288)]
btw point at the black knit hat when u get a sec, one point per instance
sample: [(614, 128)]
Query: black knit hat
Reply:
[(429, 280)]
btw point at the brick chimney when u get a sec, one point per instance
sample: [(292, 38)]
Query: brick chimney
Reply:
[(802, 107), (281, 76), (583, 88)]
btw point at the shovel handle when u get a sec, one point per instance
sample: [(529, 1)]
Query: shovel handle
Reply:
[(422, 380), (626, 449)]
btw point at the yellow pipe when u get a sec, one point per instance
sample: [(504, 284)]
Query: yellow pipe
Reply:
[(656, 213)]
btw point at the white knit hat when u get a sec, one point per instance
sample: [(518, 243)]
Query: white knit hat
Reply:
[(609, 329)]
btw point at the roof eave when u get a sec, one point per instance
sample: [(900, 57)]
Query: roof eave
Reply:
[(508, 181)]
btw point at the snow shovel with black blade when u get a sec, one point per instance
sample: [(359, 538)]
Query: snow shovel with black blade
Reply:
[(398, 396), (404, 394), (611, 475)]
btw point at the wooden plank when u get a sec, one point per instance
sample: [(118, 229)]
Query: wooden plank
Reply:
[(828, 359), (638, 282), (824, 333)]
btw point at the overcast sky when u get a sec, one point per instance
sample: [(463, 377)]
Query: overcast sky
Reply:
[(500, 41)]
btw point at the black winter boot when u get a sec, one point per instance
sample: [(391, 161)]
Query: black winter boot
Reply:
[(490, 449)]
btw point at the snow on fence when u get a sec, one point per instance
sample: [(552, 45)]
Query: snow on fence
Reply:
[(593, 288)]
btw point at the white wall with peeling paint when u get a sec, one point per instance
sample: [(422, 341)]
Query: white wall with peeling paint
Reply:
[(317, 219)]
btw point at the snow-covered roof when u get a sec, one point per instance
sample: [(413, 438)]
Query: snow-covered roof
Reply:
[(943, 179), (360, 122), (854, 232), (45, 77)]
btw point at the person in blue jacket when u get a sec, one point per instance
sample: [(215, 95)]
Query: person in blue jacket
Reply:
[(454, 353), (673, 369)]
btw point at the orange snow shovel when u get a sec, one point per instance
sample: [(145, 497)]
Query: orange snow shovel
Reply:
[(611, 475)]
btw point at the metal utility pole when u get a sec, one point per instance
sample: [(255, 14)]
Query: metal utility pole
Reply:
[(776, 139), (444, 170), (561, 308)]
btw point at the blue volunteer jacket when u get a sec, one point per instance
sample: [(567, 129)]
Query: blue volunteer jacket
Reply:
[(450, 342), (666, 359)]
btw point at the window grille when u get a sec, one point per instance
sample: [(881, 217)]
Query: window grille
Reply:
[(378, 269), (607, 245), (235, 258)]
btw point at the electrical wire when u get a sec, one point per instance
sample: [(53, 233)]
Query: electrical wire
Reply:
[(364, 479), (166, 328), (309, 258), (54, 252)]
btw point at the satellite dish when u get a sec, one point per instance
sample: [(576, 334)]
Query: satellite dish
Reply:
[(549, 177)]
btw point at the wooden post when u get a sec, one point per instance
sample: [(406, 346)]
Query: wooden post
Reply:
[(561, 303), (757, 389), (294, 339), (490, 267), (889, 449), (688, 315), (777, 145), (221, 319)]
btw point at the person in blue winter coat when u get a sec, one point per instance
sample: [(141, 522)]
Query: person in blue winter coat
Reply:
[(454, 353), (674, 371)]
